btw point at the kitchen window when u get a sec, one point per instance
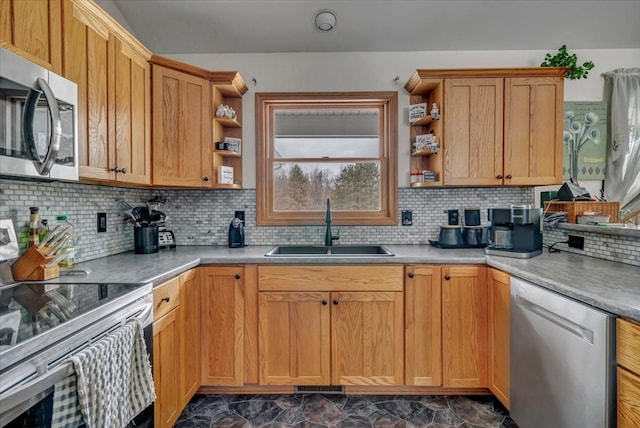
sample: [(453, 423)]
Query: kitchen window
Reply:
[(317, 146)]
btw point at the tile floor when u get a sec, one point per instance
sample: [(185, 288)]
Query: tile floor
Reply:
[(339, 411)]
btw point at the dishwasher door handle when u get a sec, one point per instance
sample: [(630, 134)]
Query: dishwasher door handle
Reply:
[(559, 320)]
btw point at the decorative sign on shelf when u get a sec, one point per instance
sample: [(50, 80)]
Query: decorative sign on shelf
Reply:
[(584, 140), (232, 144), (417, 111)]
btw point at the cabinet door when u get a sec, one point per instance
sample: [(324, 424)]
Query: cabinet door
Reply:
[(533, 130), (167, 406), (294, 338), (628, 399), (33, 29), (189, 317), (472, 146), (367, 338), (182, 129), (86, 62), (499, 283), (131, 113), (423, 337), (222, 324), (464, 327)]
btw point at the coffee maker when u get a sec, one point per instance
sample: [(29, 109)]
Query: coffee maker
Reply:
[(515, 231)]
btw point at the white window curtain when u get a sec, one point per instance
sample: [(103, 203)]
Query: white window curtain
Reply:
[(622, 94)]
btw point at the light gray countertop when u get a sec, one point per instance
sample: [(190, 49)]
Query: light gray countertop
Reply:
[(613, 287)]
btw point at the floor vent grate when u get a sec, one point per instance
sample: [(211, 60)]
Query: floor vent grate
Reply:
[(319, 389)]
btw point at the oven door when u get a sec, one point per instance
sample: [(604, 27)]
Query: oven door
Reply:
[(38, 121), (30, 402)]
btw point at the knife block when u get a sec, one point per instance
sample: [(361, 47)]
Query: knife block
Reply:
[(31, 266)]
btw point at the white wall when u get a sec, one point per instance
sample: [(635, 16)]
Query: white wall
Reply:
[(376, 71)]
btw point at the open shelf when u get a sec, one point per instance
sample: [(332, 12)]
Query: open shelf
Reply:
[(227, 122), (228, 154), (423, 152), (423, 121), (427, 184)]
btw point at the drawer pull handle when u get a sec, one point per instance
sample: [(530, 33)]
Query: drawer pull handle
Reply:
[(447, 277), (499, 177), (166, 299), (324, 302), (411, 275), (335, 302), (509, 177), (205, 178), (237, 276)]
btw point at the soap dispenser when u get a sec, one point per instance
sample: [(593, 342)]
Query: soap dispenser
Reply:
[(236, 233)]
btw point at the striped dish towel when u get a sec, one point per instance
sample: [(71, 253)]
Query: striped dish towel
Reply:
[(112, 382)]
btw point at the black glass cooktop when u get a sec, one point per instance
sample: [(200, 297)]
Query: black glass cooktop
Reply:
[(28, 310)]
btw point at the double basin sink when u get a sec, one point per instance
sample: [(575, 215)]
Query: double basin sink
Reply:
[(329, 251)]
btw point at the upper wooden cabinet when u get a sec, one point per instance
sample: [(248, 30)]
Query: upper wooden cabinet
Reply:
[(499, 126), (185, 130), (113, 77), (181, 131), (33, 29), (533, 124)]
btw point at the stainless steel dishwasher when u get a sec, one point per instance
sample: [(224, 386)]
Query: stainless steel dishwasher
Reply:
[(562, 360)]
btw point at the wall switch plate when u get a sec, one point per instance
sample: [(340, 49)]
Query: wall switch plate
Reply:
[(407, 217), (576, 242), (239, 215), (102, 222)]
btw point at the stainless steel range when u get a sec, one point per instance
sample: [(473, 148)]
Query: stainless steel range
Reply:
[(42, 324)]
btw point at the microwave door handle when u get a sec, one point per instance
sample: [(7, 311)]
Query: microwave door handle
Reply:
[(56, 128)]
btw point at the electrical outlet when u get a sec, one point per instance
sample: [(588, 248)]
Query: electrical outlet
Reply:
[(239, 215), (102, 222), (576, 242), (407, 217)]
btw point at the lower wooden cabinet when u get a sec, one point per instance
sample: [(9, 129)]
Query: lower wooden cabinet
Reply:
[(340, 334), (166, 355), (222, 323), (422, 325), (294, 338), (628, 357), (498, 287), (464, 326), (189, 339)]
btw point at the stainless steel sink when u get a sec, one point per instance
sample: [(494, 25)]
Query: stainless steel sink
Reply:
[(325, 251)]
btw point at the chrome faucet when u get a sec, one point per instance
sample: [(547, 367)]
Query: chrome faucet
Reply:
[(328, 237)]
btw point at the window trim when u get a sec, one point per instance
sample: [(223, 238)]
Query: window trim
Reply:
[(267, 102)]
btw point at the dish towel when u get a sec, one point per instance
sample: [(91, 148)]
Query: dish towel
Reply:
[(112, 382)]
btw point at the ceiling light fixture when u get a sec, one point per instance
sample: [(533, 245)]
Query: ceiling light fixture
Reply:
[(324, 20)]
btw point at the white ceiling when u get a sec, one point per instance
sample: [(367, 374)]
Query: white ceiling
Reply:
[(240, 26)]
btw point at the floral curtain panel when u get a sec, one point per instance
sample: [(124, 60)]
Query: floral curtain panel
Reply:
[(622, 94)]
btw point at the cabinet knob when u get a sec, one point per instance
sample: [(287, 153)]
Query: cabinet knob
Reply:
[(509, 177), (499, 177), (447, 277), (123, 170), (237, 276), (324, 302), (116, 169), (335, 302), (205, 178), (166, 299), (411, 275)]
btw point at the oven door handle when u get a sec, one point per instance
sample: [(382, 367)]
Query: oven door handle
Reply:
[(21, 395), (28, 117)]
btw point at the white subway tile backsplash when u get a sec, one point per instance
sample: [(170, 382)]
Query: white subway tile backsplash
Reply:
[(202, 217)]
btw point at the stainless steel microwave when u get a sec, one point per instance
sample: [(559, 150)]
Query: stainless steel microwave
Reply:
[(38, 121)]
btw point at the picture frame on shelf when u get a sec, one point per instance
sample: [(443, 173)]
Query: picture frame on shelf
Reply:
[(225, 174), (233, 144), (417, 111)]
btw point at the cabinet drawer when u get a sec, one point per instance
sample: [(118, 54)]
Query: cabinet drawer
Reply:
[(330, 278), (628, 399), (165, 297), (628, 345)]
